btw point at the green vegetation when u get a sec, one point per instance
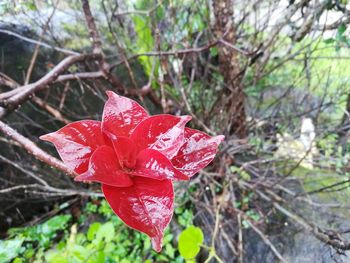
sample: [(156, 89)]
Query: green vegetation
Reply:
[(98, 235)]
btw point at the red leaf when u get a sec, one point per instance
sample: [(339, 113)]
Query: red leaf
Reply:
[(152, 164), (135, 157), (104, 168), (125, 150), (147, 206), (76, 142), (164, 133), (197, 152), (121, 115)]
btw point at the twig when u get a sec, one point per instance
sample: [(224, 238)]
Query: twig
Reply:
[(216, 227), (40, 43), (97, 48), (96, 41), (57, 114), (23, 93), (37, 47), (29, 173), (17, 187), (33, 149), (240, 239), (266, 241)]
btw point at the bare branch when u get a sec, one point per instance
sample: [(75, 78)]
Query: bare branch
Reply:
[(40, 43), (33, 149), (23, 93)]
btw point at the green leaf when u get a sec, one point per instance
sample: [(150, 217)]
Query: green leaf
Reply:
[(9, 249), (106, 232), (93, 230), (18, 260), (98, 257), (105, 210), (54, 256), (189, 242), (214, 51), (169, 250), (46, 231), (341, 29), (185, 218), (29, 253), (79, 253), (144, 43)]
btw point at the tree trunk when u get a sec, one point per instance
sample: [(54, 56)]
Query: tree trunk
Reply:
[(230, 69)]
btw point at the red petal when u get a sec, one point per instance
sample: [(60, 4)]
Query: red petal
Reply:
[(104, 168), (152, 164), (76, 142), (121, 115), (147, 206), (125, 150), (197, 152), (164, 133)]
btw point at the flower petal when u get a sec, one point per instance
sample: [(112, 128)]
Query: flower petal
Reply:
[(164, 133), (125, 150), (197, 152), (152, 164), (121, 115), (104, 168), (147, 206), (76, 142)]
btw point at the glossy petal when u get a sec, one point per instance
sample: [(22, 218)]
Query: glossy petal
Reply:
[(152, 164), (125, 150), (197, 152), (104, 168), (76, 142), (121, 115), (164, 133), (147, 206)]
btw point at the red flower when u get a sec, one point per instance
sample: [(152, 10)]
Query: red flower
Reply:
[(135, 157)]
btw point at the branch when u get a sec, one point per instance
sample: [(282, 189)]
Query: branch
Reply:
[(66, 51), (20, 168), (51, 110), (33, 149), (96, 41), (329, 237), (97, 48), (23, 93)]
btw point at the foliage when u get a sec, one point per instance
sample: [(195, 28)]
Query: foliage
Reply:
[(43, 233), (9, 249), (97, 236), (190, 241), (144, 43)]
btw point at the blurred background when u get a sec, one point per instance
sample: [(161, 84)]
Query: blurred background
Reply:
[(272, 76)]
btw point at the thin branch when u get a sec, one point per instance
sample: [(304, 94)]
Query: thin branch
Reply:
[(97, 48), (36, 51), (240, 238), (23, 93), (96, 41), (266, 240), (33, 149), (29, 173), (40, 43)]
